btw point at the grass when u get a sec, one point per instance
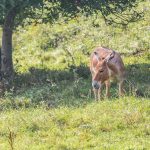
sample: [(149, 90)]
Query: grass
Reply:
[(55, 110), (116, 124)]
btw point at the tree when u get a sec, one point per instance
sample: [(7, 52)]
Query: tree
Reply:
[(14, 12), (11, 12)]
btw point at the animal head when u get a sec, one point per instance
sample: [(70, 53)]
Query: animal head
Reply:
[(101, 69)]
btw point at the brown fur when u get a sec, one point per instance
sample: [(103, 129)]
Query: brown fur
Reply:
[(106, 64)]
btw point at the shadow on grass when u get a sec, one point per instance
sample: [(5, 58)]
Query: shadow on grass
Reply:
[(54, 87), (138, 78), (137, 81), (71, 88)]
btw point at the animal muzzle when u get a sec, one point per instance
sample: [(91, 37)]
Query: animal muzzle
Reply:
[(95, 84)]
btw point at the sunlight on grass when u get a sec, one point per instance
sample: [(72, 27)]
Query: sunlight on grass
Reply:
[(115, 124)]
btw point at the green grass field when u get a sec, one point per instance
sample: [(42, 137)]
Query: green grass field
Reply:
[(50, 104), (61, 114), (110, 124)]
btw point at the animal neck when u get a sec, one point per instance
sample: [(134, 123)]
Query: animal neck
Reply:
[(106, 76), (112, 67)]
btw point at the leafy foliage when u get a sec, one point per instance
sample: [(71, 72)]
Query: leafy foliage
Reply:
[(19, 7), (46, 11)]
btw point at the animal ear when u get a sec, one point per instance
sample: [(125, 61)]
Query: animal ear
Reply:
[(110, 56), (97, 56)]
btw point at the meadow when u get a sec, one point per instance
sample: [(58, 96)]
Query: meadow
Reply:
[(50, 104), (110, 124)]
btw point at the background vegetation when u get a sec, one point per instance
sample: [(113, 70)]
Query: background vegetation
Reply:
[(51, 105)]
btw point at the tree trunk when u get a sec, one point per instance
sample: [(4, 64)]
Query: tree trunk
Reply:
[(6, 51), (0, 66), (1, 81)]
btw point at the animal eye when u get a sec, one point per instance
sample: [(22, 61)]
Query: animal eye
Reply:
[(101, 70)]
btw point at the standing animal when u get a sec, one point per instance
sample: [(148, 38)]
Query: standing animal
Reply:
[(106, 64)]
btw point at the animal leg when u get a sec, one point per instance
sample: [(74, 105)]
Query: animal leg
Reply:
[(107, 84), (95, 94), (99, 94), (121, 90)]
